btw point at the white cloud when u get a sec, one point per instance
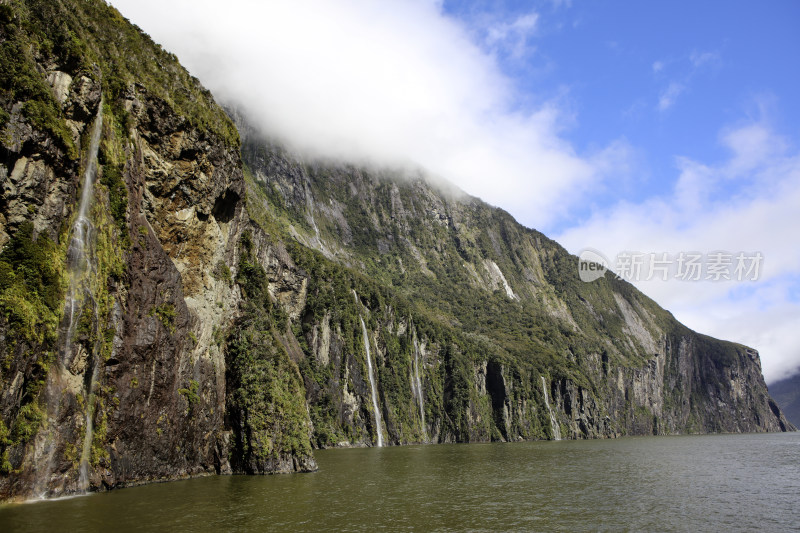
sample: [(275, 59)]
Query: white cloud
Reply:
[(389, 81), (751, 145), (669, 95), (397, 81), (699, 59), (513, 36), (696, 62), (748, 203)]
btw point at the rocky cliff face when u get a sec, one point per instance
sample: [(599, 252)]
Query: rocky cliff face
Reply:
[(134, 390), (210, 320), (488, 316)]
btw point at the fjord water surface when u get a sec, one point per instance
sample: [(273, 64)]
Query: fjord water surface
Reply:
[(697, 483)]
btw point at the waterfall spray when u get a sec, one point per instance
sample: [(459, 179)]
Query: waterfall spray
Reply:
[(80, 255), (81, 272), (553, 422), (310, 209), (84, 229), (372, 384), (416, 388)]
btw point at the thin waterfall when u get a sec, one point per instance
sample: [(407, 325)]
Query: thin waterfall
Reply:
[(372, 384), (81, 270), (80, 255), (310, 209), (416, 388), (553, 422), (88, 436), (82, 264)]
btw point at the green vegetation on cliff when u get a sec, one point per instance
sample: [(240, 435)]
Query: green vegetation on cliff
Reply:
[(265, 391), (80, 38), (500, 307), (31, 299), (452, 399), (30, 293), (60, 61)]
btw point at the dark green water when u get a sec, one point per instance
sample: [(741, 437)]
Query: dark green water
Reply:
[(707, 483)]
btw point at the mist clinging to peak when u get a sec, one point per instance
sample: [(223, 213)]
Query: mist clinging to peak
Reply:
[(385, 82)]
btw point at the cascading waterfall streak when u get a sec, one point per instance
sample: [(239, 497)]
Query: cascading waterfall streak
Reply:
[(81, 272), (553, 422), (416, 386), (86, 232), (372, 384)]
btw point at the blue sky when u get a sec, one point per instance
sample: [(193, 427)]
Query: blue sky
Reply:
[(703, 98), (664, 76), (620, 126)]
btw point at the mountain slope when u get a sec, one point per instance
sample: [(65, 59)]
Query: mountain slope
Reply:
[(787, 395), (522, 324), (167, 312), (114, 369)]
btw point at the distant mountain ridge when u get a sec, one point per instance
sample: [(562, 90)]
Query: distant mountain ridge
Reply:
[(786, 393)]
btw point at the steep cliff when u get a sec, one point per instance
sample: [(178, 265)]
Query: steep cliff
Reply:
[(167, 312), (488, 317), (113, 364)]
